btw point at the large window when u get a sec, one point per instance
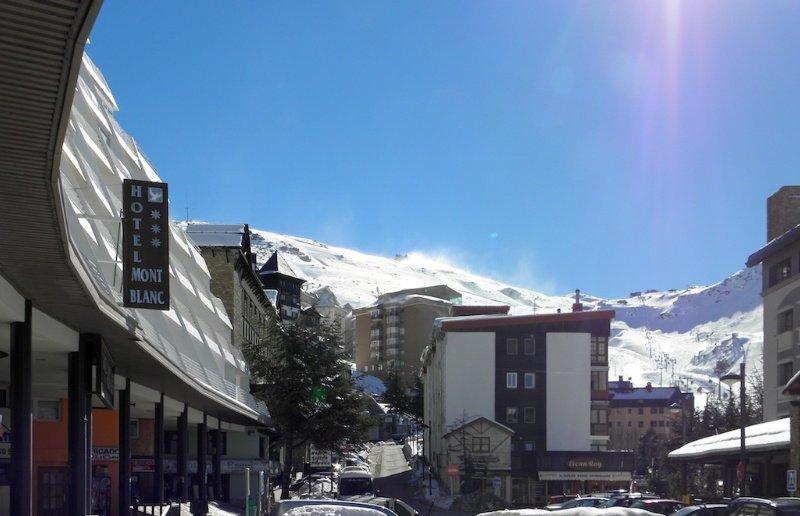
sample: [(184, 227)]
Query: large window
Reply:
[(599, 349), (480, 444), (511, 380), (786, 321), (599, 380), (529, 345), (785, 373), (780, 271), (530, 380), (511, 346), (511, 414)]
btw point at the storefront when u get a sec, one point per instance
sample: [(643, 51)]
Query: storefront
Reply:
[(584, 472)]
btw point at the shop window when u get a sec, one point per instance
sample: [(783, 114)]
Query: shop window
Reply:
[(786, 321), (480, 444), (48, 410), (785, 373), (511, 380), (530, 415), (511, 415), (529, 345), (511, 346), (530, 380), (780, 272)]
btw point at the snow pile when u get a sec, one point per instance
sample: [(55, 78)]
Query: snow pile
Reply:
[(667, 337), (763, 436), (578, 511), (332, 510)]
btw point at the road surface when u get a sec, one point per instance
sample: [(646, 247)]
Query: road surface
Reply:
[(392, 473)]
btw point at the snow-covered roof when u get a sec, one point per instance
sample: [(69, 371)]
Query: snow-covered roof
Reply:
[(485, 321), (774, 245), (216, 235), (277, 264), (472, 419), (771, 435), (644, 394)]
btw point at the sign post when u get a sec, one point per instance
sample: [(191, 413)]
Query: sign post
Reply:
[(145, 245), (791, 481)]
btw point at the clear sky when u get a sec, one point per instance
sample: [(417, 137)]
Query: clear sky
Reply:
[(607, 146)]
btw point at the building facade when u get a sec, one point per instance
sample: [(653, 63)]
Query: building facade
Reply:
[(232, 265), (544, 377), (391, 333), (281, 283), (634, 411), (780, 269)]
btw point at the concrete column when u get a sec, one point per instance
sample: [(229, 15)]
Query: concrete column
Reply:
[(216, 461), (202, 464), (183, 454), (21, 362), (79, 422), (158, 452), (125, 449)]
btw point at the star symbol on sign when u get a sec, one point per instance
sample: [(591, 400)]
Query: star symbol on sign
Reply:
[(155, 228), (155, 214), (156, 242)]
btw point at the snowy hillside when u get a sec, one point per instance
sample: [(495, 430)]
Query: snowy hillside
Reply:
[(662, 337)]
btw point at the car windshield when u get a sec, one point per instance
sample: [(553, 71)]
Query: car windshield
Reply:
[(686, 511), (354, 486)]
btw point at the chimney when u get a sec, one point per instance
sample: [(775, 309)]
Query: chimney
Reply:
[(783, 211), (577, 306), (649, 387), (620, 379)]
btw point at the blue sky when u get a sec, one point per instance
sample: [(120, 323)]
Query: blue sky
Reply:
[(607, 146)]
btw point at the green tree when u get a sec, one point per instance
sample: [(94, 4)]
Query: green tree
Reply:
[(298, 371)]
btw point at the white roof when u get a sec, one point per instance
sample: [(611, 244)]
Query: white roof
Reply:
[(764, 436)]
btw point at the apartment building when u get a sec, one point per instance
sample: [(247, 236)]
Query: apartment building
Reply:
[(391, 333), (232, 265), (527, 397), (780, 261), (634, 411)]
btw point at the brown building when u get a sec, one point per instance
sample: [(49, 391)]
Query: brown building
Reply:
[(633, 411), (278, 277), (232, 265)]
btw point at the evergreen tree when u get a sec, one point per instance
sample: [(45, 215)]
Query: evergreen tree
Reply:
[(299, 373)]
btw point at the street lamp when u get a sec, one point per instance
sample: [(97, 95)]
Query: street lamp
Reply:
[(679, 408), (730, 380)]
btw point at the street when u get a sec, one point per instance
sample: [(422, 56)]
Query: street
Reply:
[(392, 475)]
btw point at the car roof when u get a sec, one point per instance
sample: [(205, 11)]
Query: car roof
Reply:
[(777, 502), (286, 505), (355, 473), (658, 500)]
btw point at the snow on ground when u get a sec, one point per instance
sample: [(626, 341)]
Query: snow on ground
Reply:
[(664, 337), (578, 511), (332, 510)]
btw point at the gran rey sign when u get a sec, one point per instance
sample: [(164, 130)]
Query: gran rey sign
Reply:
[(145, 245)]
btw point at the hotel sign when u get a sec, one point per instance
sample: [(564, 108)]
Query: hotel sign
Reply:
[(145, 247)]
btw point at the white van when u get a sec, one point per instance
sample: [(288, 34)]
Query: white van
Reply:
[(355, 482)]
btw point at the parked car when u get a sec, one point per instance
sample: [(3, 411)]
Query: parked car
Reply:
[(657, 505), (355, 482), (558, 500), (709, 509), (285, 506), (749, 506), (588, 501), (626, 499), (395, 504)]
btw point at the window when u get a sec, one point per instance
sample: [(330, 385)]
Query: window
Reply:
[(641, 411), (653, 410), (599, 349), (630, 423), (480, 444), (599, 380), (48, 410), (780, 271), (641, 424), (785, 373), (529, 345), (530, 380), (511, 380), (653, 424), (530, 415), (134, 428), (630, 410), (660, 410), (530, 446), (511, 346), (786, 321), (511, 414), (661, 423)]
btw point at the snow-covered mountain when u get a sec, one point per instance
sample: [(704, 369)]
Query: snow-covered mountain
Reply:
[(665, 337)]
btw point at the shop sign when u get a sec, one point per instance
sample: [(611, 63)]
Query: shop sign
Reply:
[(103, 374), (452, 470), (320, 458), (609, 476), (143, 465), (145, 245), (105, 453), (233, 465), (584, 464)]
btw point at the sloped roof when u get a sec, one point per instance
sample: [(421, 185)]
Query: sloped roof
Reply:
[(217, 235), (773, 246), (471, 420), (763, 436), (277, 264)]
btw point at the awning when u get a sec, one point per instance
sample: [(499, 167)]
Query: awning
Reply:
[(772, 435)]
